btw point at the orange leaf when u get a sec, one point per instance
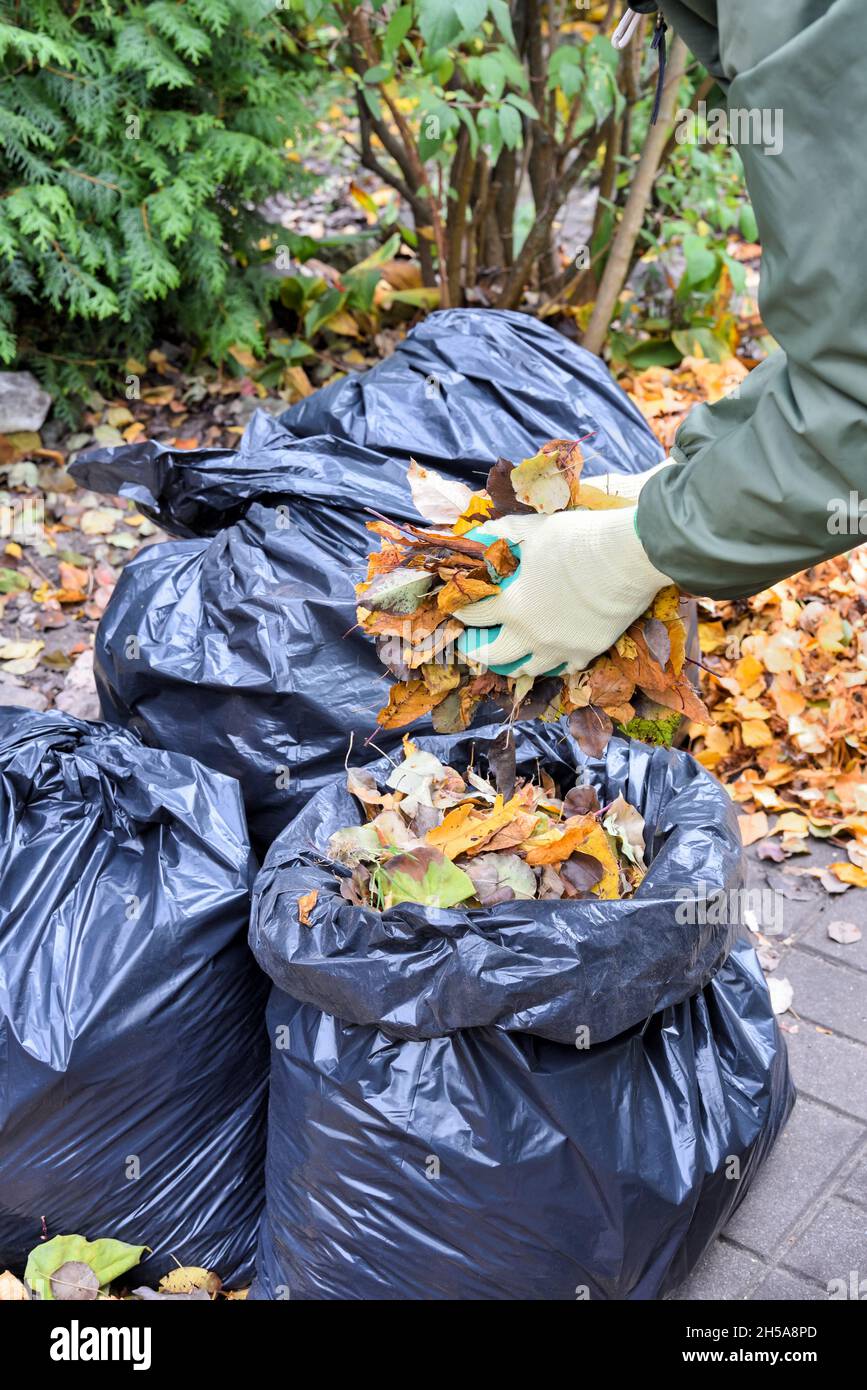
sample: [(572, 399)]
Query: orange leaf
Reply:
[(306, 904), (407, 701)]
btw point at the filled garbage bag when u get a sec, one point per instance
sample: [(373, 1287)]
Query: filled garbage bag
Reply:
[(242, 650), (468, 386), (539, 1100), (133, 1060)]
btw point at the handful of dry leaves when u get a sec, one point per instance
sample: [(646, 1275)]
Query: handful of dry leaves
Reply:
[(421, 577), (439, 838)]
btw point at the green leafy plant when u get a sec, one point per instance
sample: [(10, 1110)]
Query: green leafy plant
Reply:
[(136, 141)]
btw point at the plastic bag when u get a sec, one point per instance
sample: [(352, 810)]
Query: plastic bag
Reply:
[(133, 1058), (243, 651), (469, 385), (542, 1100), (463, 388)]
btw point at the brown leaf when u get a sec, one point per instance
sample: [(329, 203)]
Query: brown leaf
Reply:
[(501, 558), (591, 728), (501, 760), (580, 801), (501, 491)]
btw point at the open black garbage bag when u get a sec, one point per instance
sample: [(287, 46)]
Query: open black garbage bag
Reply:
[(435, 1132), (133, 1062), (243, 650)]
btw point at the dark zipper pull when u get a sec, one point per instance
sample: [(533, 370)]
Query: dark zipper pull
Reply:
[(659, 44)]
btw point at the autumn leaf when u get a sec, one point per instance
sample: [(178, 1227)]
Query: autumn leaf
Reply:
[(437, 498), (460, 592), (426, 876), (406, 702), (306, 904), (500, 878)]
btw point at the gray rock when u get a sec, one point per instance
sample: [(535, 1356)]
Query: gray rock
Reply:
[(23, 403), (13, 692)]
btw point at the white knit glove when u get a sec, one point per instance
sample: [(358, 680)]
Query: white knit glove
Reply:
[(626, 484), (583, 578)]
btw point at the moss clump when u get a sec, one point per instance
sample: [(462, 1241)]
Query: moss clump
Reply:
[(659, 731)]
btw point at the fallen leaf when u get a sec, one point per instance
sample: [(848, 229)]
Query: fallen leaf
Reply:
[(591, 728), (782, 994), (846, 933), (849, 873), (753, 827), (436, 498), (11, 1289), (425, 876), (306, 904), (190, 1277), (500, 878)]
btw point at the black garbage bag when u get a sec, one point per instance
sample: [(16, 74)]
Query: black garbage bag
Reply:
[(133, 1059), (470, 385), (243, 651), (439, 1127)]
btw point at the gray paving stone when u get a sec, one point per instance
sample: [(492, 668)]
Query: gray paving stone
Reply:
[(849, 907), (855, 1186), (724, 1272), (779, 1286), (833, 1244), (830, 1068), (830, 994), (802, 1164), (801, 916)]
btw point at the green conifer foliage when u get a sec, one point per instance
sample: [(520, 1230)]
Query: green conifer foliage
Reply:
[(136, 141)]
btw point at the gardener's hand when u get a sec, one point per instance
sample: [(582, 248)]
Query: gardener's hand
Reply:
[(626, 484), (583, 578)]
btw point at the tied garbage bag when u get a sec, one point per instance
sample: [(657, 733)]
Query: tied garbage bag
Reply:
[(540, 1100), (133, 1062), (242, 650), (470, 385)]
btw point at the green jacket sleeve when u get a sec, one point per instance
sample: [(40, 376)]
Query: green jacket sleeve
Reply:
[(761, 478)]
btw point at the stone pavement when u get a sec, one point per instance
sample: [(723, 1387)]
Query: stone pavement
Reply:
[(804, 1221)]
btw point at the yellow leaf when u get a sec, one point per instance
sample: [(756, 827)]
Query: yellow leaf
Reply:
[(666, 605), (849, 873), (478, 507), (464, 829), (461, 591), (712, 637), (14, 549), (298, 380), (191, 1277), (792, 823), (596, 500), (747, 672), (756, 734), (344, 324), (754, 827)]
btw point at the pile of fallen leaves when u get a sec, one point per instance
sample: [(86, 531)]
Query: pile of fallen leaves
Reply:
[(440, 838), (786, 683), (70, 1269), (666, 395), (421, 577)]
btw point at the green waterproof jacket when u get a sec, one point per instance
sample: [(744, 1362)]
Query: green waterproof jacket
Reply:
[(763, 479)]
